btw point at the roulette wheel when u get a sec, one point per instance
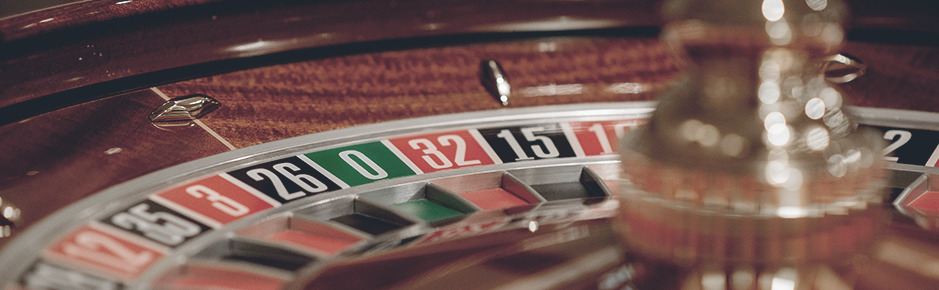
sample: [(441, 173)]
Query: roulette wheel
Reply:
[(428, 144)]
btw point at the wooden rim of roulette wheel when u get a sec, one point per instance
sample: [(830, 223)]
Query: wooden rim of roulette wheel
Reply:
[(427, 144)]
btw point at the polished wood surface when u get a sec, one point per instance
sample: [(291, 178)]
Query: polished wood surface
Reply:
[(85, 50), (308, 97), (63, 154), (70, 65), (289, 68), (898, 76), (25, 19), (58, 158), (272, 103)]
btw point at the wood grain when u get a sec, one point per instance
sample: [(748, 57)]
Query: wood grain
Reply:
[(307, 97), (60, 156), (71, 64), (314, 96), (70, 154), (898, 76)]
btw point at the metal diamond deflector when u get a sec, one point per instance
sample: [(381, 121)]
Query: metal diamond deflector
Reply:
[(185, 108), (842, 68), (494, 79)]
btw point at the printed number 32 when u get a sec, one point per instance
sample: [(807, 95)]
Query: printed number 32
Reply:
[(430, 149)]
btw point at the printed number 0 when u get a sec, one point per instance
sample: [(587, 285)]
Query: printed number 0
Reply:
[(347, 157), (220, 202), (904, 136), (445, 140)]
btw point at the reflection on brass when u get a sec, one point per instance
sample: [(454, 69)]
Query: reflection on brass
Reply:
[(495, 81), (750, 168), (10, 215), (842, 68), (184, 109)]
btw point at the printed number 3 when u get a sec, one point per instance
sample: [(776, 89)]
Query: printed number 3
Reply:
[(220, 202)]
